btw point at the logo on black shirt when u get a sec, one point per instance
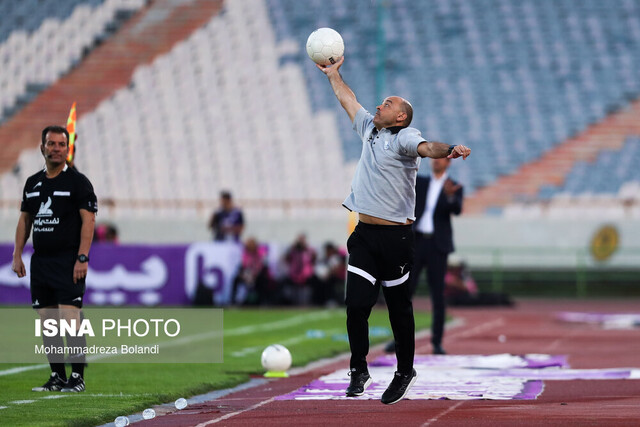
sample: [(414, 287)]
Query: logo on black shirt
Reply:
[(44, 208)]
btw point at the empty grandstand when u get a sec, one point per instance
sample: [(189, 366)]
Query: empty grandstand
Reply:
[(233, 102), (513, 80), (41, 41)]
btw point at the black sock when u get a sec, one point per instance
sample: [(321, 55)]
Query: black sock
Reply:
[(77, 359), (58, 368), (78, 368), (55, 360)]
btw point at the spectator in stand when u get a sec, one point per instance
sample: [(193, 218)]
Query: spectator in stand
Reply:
[(105, 233), (299, 261), (329, 277), (460, 288), (227, 223), (251, 284), (458, 281)]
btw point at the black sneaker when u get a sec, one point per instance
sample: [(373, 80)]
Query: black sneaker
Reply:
[(437, 349), (55, 383), (359, 383), (399, 387), (75, 384)]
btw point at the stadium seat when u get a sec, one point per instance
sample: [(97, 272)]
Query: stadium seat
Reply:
[(30, 33), (544, 104), (513, 80)]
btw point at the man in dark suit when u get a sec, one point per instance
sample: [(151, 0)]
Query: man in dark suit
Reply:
[(437, 198)]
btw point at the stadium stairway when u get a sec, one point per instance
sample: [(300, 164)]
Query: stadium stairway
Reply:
[(153, 31), (551, 168)]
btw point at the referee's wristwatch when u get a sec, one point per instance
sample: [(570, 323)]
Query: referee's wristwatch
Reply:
[(83, 258), (451, 147)]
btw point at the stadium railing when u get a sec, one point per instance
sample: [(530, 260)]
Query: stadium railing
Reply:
[(554, 271)]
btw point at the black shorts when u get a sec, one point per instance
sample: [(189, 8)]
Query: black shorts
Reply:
[(381, 253), (52, 281)]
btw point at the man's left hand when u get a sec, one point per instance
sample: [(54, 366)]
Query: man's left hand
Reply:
[(450, 188), (80, 271)]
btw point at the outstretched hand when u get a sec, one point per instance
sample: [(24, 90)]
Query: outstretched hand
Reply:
[(460, 151), (330, 69)]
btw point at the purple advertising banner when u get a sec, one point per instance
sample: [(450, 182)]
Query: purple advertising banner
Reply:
[(141, 274)]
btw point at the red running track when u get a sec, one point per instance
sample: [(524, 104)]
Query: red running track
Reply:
[(530, 327)]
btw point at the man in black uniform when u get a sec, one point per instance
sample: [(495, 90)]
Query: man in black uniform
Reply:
[(60, 204)]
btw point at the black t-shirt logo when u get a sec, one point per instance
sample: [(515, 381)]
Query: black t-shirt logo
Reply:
[(45, 208)]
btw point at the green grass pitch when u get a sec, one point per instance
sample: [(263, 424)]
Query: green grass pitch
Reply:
[(124, 388)]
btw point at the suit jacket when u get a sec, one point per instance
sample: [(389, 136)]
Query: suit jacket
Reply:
[(442, 231)]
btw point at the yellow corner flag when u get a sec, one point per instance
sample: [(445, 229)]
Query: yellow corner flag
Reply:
[(71, 128)]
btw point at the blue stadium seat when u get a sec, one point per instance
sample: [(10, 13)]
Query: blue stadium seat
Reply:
[(30, 30), (549, 69), (607, 174), (28, 15)]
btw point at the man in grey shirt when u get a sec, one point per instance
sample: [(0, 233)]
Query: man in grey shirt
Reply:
[(381, 246)]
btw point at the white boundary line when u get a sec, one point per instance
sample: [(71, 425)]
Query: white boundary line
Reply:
[(244, 330), (233, 414), (443, 413), (19, 369), (324, 362), (468, 332), (463, 334), (479, 328), (302, 370)]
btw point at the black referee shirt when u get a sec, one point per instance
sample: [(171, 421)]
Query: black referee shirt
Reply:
[(54, 205)]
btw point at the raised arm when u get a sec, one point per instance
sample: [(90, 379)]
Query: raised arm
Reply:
[(439, 150), (342, 91)]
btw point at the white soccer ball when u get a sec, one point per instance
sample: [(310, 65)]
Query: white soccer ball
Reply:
[(325, 46), (276, 358)]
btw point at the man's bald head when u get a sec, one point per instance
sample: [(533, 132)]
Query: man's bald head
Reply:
[(394, 111), (406, 107)]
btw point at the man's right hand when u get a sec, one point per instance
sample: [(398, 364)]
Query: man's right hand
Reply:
[(345, 95), (330, 69), (18, 267)]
